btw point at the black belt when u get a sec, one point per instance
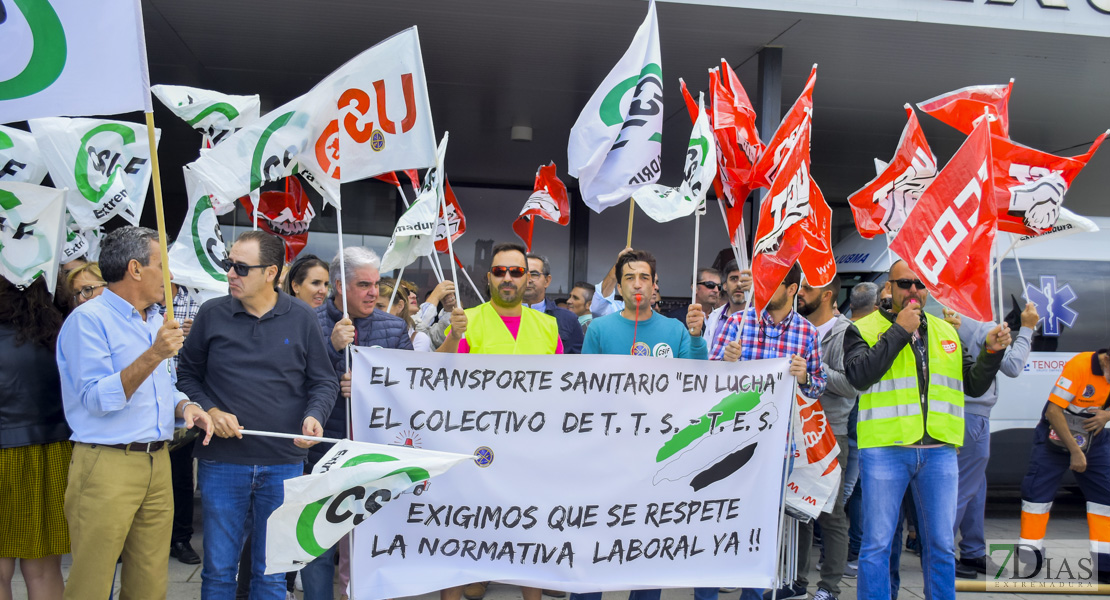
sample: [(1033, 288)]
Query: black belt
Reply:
[(147, 447)]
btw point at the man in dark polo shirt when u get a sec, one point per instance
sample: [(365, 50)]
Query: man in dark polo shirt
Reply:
[(254, 359)]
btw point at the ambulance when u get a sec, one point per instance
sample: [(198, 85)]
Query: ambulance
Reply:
[(1068, 278)]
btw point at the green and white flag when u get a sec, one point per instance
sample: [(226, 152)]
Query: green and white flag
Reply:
[(80, 243), (69, 57), (615, 143), (32, 225), (105, 165), (213, 114), (353, 479), (20, 159), (198, 254), (663, 203), (414, 235)]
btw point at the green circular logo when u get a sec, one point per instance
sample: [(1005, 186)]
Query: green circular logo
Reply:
[(48, 56)]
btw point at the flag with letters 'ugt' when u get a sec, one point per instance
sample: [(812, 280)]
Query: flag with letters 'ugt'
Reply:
[(348, 485)]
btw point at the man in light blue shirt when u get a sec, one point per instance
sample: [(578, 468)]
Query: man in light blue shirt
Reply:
[(119, 399)]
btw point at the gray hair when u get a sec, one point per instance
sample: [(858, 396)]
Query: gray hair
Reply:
[(542, 259), (123, 245), (864, 297), (586, 287), (355, 257)]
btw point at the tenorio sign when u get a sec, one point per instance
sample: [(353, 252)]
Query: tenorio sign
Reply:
[(1102, 6)]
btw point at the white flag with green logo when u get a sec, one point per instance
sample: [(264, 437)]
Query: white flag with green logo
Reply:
[(615, 144), (80, 243), (105, 165), (20, 159), (663, 203), (213, 114), (414, 235), (69, 57), (353, 479), (198, 253), (32, 225)]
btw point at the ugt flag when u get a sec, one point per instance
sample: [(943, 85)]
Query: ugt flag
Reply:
[(353, 479), (20, 159), (71, 58), (105, 165), (948, 238), (213, 114), (615, 144), (963, 107), (415, 233), (548, 201), (198, 255), (663, 203), (32, 231)]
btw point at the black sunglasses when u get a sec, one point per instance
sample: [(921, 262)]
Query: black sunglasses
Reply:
[(241, 269), (909, 283), (713, 285), (514, 272)]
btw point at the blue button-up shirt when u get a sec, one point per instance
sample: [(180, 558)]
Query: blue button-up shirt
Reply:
[(98, 341)]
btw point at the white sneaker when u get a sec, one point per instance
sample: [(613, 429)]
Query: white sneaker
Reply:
[(823, 594), (297, 583), (290, 596)]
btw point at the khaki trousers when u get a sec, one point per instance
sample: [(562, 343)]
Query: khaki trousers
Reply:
[(119, 502)]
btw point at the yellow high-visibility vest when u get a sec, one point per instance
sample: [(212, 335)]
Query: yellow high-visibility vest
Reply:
[(486, 332)]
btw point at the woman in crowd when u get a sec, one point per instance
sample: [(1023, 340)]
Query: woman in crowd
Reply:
[(307, 280), (34, 443), (420, 340), (84, 283)]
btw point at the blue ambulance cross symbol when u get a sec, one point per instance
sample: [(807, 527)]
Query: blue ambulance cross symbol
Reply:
[(1052, 304)]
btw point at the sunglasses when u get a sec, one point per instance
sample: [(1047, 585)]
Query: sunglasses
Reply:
[(713, 285), (909, 283), (241, 269), (514, 272)]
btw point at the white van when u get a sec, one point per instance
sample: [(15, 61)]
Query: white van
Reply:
[(1069, 280)]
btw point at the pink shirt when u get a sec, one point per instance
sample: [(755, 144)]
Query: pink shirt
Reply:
[(513, 325)]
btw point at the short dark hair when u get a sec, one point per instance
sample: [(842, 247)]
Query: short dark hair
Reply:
[(123, 245), (542, 259), (730, 267), (271, 250), (510, 247), (710, 270), (635, 256), (794, 277), (588, 287), (298, 271), (834, 287)]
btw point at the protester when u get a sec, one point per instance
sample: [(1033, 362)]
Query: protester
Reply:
[(365, 326), (913, 374), (253, 358), (579, 303), (120, 403), (734, 288), (707, 291), (818, 305), (604, 300), (778, 332), (863, 300), (63, 295), (971, 499), (1070, 436), (501, 326), (34, 443), (443, 293), (400, 309), (307, 280), (535, 295), (85, 283), (646, 333)]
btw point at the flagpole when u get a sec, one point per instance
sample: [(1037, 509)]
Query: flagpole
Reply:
[(156, 176), (697, 237), (451, 247), (255, 197), (731, 243), (290, 436), (467, 275), (532, 231), (396, 284), (438, 273), (1017, 261), (631, 214)]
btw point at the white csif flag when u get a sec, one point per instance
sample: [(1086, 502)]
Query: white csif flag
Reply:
[(198, 254), (105, 165), (213, 114), (615, 144), (20, 159), (663, 203), (353, 479), (32, 231), (414, 235)]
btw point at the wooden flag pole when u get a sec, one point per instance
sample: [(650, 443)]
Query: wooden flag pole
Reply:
[(631, 214), (161, 214)]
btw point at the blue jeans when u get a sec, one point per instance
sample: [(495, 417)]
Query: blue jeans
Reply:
[(971, 503), (318, 576), (932, 476), (230, 492), (633, 595)]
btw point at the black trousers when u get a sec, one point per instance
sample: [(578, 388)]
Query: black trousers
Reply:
[(181, 469)]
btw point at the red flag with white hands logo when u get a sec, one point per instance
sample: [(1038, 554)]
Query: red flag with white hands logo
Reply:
[(1029, 185), (948, 238), (285, 214), (817, 260), (963, 107), (454, 220), (882, 205), (780, 240), (789, 131), (548, 201)]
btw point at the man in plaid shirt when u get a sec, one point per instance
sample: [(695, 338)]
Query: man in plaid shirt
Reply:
[(778, 332)]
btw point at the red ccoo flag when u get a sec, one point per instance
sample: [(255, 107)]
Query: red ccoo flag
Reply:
[(788, 133), (948, 239), (548, 201), (882, 205), (455, 221), (963, 107)]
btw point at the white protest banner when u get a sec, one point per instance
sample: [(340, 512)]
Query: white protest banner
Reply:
[(352, 478), (663, 203), (615, 144), (198, 254), (105, 165), (213, 114), (72, 58), (32, 225), (599, 473), (20, 159), (414, 235)]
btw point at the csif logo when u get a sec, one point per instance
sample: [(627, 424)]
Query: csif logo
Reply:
[(271, 164), (208, 243), (48, 54), (354, 105), (104, 161)]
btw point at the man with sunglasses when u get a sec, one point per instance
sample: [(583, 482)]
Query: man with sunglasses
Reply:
[(734, 289), (254, 358), (913, 373), (707, 291)]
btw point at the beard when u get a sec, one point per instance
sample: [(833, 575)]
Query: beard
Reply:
[(804, 308), (507, 295), (773, 305)]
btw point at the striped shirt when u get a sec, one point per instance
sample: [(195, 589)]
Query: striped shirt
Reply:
[(766, 339)]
